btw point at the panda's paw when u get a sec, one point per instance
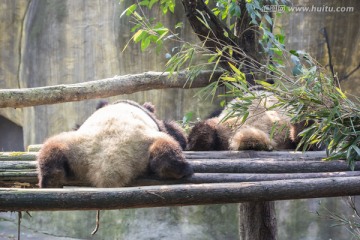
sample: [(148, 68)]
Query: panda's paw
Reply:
[(250, 138)]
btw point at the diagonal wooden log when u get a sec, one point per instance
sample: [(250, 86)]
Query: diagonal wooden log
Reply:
[(174, 195), (18, 98)]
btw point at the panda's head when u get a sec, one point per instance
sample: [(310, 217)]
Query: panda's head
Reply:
[(53, 166), (167, 160)]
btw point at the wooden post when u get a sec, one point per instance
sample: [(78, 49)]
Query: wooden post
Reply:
[(257, 221)]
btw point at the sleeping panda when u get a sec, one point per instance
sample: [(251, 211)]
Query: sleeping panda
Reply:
[(231, 133), (116, 144)]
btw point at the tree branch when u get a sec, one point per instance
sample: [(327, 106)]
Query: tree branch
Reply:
[(350, 73), (324, 32), (117, 85)]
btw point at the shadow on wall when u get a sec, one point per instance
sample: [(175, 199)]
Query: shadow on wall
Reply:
[(11, 136)]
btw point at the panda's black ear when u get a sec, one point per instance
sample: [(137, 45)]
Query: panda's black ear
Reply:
[(174, 130), (150, 107), (167, 160), (101, 104)]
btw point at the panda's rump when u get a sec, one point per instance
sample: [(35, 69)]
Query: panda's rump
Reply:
[(118, 144)]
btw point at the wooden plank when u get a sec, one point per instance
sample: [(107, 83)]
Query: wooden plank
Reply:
[(280, 155), (288, 155), (34, 147), (237, 154), (18, 156), (17, 165), (174, 195), (5, 176), (236, 166), (264, 166), (197, 178)]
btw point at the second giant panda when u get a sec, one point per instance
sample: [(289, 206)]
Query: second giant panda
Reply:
[(231, 133), (116, 144)]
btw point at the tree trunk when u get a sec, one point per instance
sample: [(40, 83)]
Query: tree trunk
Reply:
[(257, 221), (216, 35)]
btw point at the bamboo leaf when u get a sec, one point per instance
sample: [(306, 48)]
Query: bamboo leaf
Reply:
[(138, 35), (343, 96), (129, 10)]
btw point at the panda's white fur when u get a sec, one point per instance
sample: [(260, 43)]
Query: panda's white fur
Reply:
[(111, 148), (231, 133)]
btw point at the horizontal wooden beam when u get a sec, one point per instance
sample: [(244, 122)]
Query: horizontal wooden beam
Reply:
[(215, 155), (279, 155), (199, 178), (232, 166), (269, 166), (8, 178), (18, 156), (118, 85), (173, 195)]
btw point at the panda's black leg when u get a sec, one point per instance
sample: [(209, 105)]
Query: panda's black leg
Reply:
[(174, 130)]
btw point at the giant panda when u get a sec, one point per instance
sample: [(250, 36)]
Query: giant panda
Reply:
[(231, 133), (116, 144)]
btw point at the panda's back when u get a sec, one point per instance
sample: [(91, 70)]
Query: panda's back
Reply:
[(118, 139), (117, 116)]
